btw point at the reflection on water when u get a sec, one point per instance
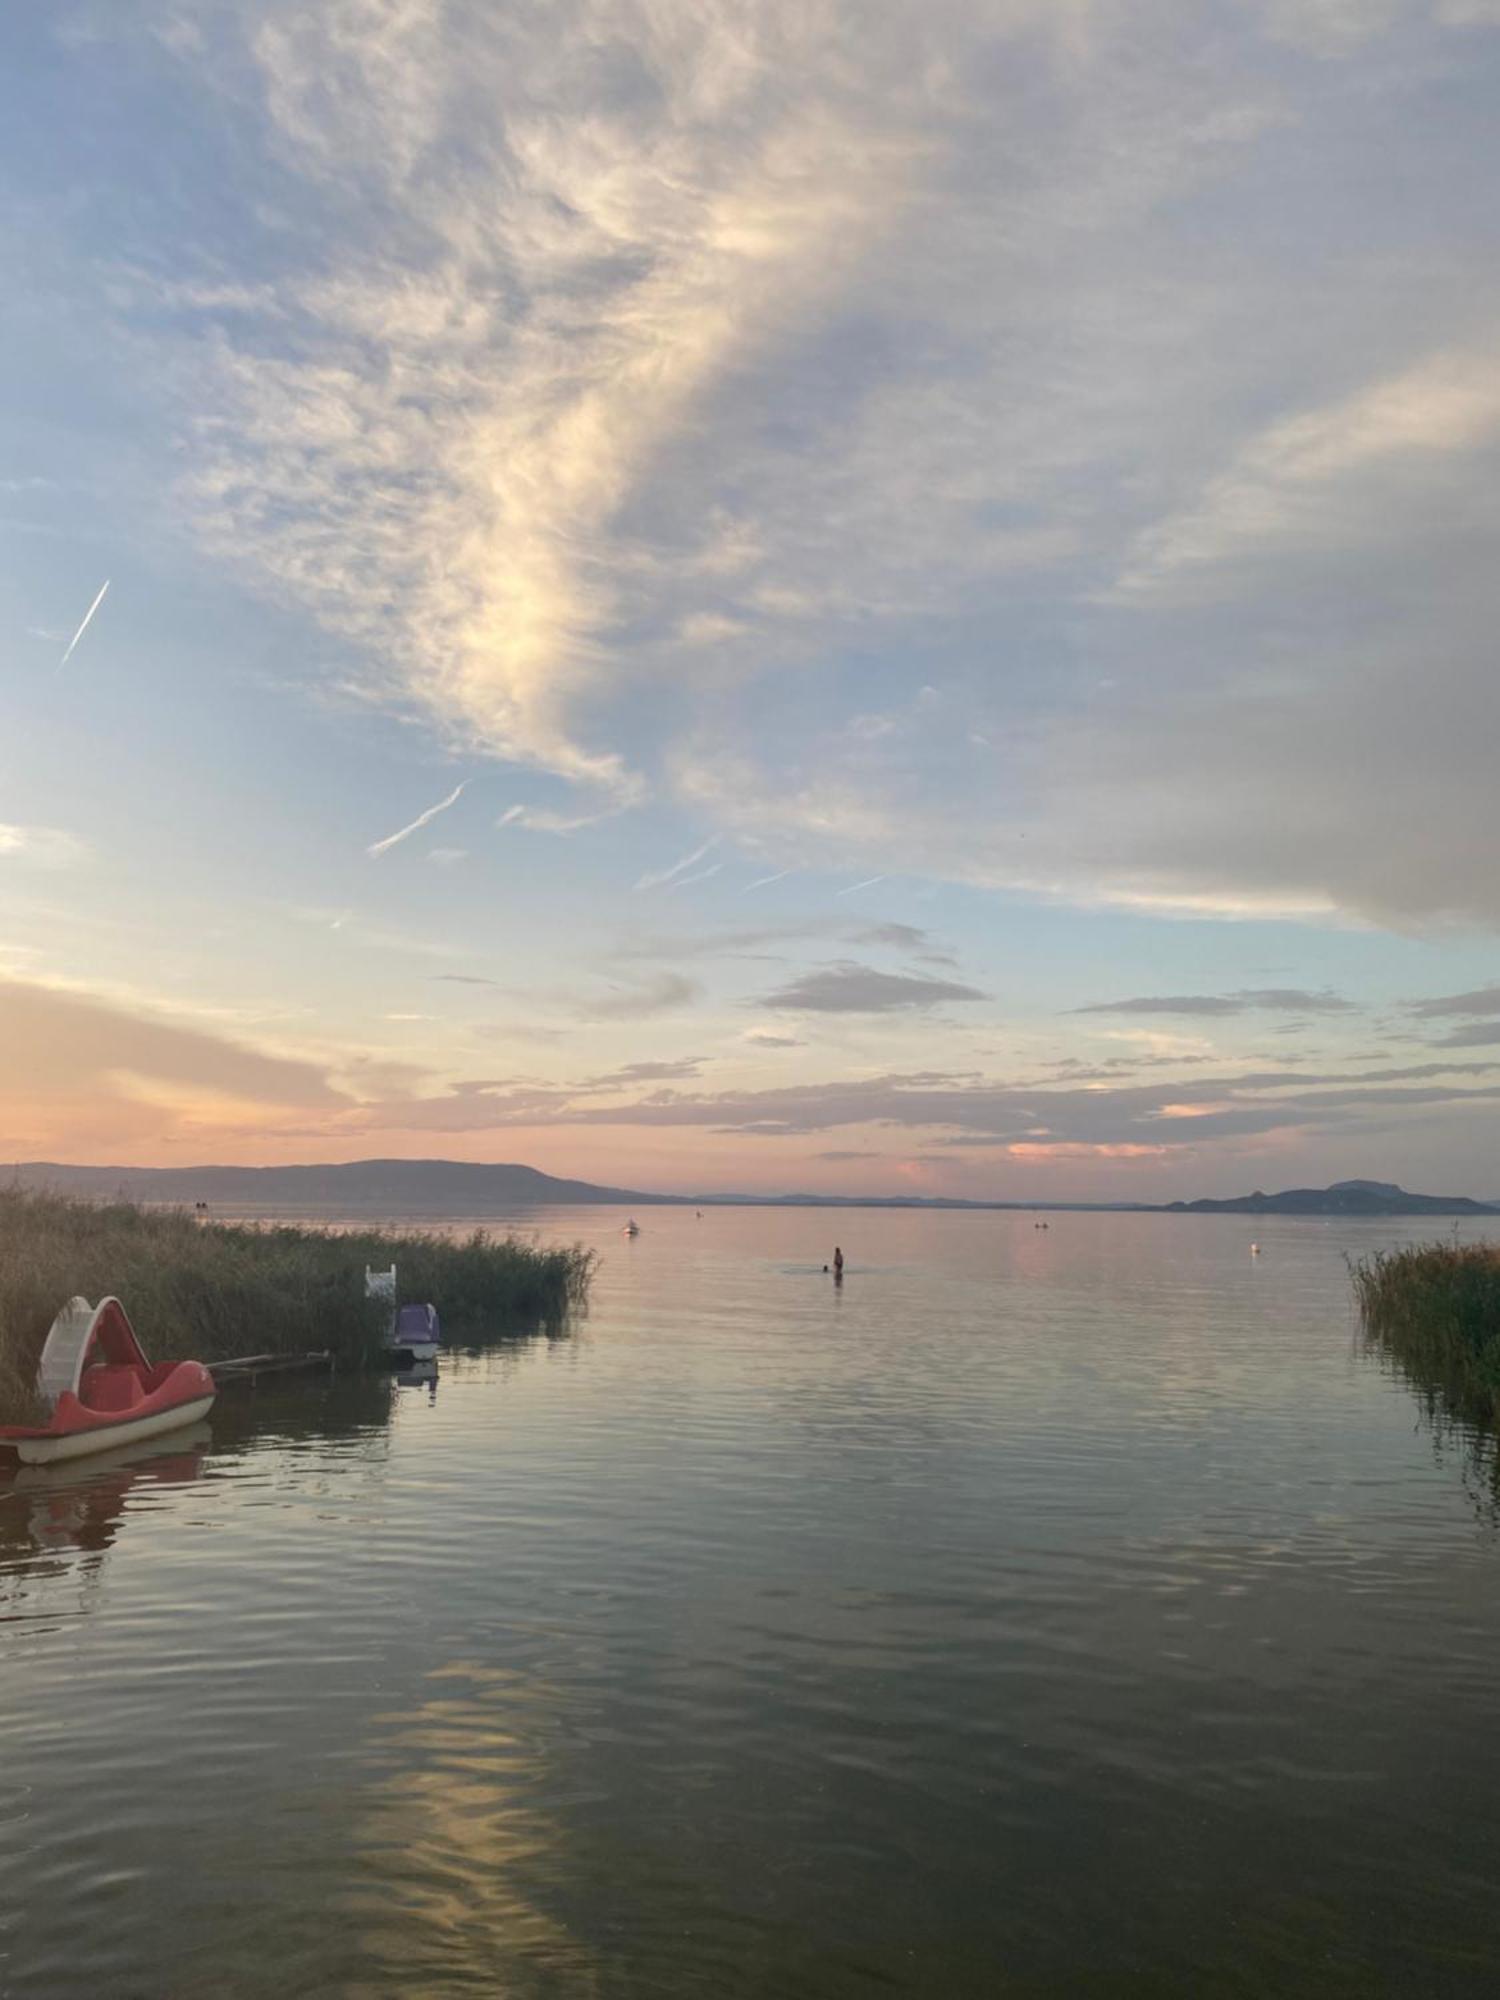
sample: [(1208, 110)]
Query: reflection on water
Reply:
[(453, 1846), (1458, 1419), (418, 1375), (341, 1406), (49, 1512), (1044, 1611)]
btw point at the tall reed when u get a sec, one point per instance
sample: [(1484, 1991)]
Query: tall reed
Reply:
[(1435, 1309), (210, 1289)]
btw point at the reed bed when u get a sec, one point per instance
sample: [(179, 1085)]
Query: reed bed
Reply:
[(212, 1289), (1435, 1309)]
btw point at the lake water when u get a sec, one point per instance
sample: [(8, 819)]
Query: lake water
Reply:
[(1077, 1610)]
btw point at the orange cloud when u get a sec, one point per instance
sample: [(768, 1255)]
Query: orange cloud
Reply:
[(76, 1071)]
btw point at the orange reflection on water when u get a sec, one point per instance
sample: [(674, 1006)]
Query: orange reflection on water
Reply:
[(453, 1853)]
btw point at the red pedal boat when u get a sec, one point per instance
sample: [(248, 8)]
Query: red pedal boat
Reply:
[(102, 1389)]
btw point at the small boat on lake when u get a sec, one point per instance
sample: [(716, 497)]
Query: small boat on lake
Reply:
[(101, 1389), (415, 1332), (410, 1330), (632, 1228)]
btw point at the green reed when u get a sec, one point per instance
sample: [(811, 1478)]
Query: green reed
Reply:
[(1435, 1309), (212, 1289)]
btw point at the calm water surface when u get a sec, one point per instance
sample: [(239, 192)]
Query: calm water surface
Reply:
[(1070, 1611)]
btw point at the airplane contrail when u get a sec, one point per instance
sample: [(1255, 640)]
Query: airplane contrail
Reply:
[(678, 867), (422, 819), (765, 881), (699, 875), (855, 887), (87, 617)]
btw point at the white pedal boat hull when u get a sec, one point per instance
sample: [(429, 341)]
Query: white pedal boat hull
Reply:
[(109, 1437)]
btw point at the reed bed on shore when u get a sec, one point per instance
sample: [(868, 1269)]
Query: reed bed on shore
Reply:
[(211, 1289), (1435, 1309)]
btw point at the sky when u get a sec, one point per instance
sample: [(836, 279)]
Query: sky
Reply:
[(778, 595)]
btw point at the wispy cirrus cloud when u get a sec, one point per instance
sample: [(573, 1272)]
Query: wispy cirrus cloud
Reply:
[(617, 207), (1315, 479), (1192, 551)]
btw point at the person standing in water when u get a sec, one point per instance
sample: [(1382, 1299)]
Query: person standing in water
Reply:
[(838, 1264)]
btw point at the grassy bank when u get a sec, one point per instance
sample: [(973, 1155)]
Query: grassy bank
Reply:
[(212, 1290), (1436, 1311)]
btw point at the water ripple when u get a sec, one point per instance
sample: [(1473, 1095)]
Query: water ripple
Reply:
[(1081, 1616)]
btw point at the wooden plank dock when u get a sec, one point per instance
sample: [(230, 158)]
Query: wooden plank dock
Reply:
[(250, 1367)]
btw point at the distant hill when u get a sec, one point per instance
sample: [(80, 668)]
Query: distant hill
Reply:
[(465, 1187), (401, 1186), (1343, 1198), (435, 1187)]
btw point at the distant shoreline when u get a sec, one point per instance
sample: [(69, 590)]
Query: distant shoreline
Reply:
[(446, 1187)]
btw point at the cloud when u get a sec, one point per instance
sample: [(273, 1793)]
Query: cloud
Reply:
[(1267, 999), (422, 819), (464, 979), (1481, 1000), (45, 846), (1306, 481), (1328, 27), (79, 1071), (752, 941), (1003, 1115), (761, 1038), (850, 988), (1024, 1121), (647, 1072), (661, 994), (904, 937), (744, 943), (607, 212), (1247, 1116), (574, 334), (1478, 1036)]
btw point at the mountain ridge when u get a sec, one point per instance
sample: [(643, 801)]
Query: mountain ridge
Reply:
[(440, 1186), (1347, 1198)]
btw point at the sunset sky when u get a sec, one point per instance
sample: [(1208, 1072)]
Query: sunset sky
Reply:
[(786, 595)]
